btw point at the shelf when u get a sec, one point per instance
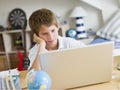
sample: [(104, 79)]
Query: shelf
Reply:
[(12, 41), (1, 53), (87, 41), (14, 31), (13, 52)]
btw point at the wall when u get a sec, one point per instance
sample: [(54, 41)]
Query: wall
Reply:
[(105, 11), (59, 7), (94, 20)]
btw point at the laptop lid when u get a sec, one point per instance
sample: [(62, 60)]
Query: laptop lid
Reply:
[(77, 67)]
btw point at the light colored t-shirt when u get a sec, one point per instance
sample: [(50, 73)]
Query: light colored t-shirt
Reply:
[(64, 43)]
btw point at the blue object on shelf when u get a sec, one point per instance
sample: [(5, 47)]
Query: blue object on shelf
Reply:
[(102, 40), (72, 33), (99, 40)]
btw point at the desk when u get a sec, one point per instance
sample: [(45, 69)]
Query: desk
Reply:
[(23, 79), (114, 84)]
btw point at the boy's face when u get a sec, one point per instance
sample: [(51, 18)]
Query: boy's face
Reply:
[(49, 34)]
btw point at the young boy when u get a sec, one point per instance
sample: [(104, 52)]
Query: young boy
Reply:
[(45, 28)]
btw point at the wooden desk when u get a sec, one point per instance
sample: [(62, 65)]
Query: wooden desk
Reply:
[(23, 79), (114, 84)]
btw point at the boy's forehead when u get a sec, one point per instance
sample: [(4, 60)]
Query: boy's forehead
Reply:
[(48, 27)]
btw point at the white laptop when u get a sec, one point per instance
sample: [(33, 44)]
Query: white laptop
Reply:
[(77, 67)]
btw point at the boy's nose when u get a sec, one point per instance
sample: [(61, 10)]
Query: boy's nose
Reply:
[(50, 36)]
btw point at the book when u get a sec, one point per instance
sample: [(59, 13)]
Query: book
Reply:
[(12, 83), (7, 83), (16, 81), (4, 86), (0, 83)]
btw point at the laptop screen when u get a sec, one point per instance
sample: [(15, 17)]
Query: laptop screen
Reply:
[(79, 66)]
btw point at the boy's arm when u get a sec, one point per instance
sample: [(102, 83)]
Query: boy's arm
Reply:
[(42, 44)]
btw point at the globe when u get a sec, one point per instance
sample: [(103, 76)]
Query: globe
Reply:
[(71, 33), (38, 80)]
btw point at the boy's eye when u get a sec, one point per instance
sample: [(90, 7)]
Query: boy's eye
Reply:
[(44, 33), (53, 30)]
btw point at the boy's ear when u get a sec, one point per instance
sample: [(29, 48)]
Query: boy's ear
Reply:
[(60, 32)]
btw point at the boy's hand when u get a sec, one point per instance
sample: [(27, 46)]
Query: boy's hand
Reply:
[(39, 41)]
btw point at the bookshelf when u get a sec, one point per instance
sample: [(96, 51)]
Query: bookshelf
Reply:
[(10, 42)]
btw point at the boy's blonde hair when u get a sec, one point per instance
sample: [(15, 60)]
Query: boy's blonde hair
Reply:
[(42, 17)]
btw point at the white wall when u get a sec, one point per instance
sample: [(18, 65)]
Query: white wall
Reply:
[(104, 11), (60, 7), (110, 7)]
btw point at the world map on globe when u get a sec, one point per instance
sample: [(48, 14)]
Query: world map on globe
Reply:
[(38, 80)]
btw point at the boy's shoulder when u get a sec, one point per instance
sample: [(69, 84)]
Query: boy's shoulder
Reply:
[(34, 48), (66, 38)]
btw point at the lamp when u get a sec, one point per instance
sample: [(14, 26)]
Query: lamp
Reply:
[(79, 13)]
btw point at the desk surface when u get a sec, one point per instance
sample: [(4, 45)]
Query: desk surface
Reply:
[(114, 84)]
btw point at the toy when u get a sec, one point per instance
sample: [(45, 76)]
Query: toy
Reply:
[(38, 80), (71, 33)]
